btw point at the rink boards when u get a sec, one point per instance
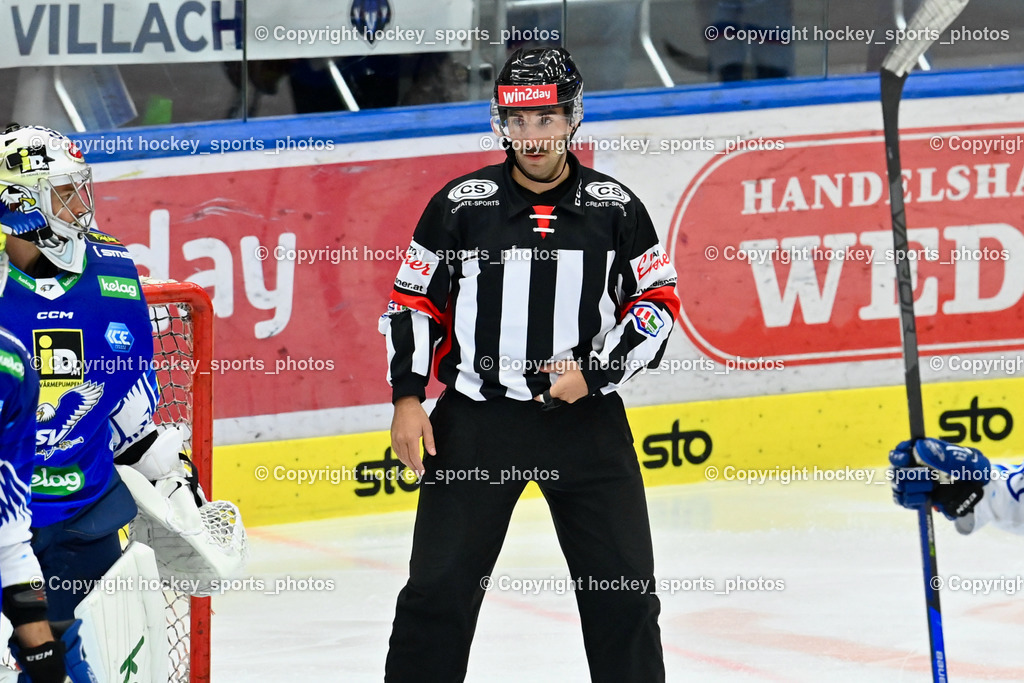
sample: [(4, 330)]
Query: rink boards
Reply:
[(820, 436)]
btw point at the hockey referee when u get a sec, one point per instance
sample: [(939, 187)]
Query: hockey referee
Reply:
[(535, 288)]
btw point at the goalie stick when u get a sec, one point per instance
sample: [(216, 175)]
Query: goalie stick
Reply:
[(935, 15)]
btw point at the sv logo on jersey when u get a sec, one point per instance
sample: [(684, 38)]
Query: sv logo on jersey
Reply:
[(71, 407)]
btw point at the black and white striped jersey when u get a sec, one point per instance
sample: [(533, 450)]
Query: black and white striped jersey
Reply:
[(493, 286)]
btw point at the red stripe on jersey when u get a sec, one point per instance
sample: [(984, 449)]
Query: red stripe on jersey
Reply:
[(665, 295), (418, 303), (445, 346)]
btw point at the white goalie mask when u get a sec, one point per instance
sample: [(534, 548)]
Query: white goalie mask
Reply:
[(43, 172)]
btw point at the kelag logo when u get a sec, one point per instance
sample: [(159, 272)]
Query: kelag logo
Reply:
[(969, 425), (655, 446), (118, 287), (788, 253)]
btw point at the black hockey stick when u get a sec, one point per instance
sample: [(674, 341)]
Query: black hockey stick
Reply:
[(928, 22)]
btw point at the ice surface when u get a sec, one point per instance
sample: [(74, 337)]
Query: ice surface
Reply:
[(852, 608)]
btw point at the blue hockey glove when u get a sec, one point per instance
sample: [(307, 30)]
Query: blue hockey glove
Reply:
[(70, 666), (953, 476)]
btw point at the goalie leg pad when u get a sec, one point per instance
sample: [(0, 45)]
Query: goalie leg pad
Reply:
[(123, 621)]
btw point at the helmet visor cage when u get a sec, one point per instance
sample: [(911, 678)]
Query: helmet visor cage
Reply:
[(70, 199), (521, 124), (501, 115)]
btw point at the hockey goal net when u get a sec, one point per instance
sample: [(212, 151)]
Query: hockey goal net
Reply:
[(182, 319)]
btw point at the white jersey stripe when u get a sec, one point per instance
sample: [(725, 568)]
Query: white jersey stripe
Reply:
[(568, 291), (515, 315), (468, 382), (606, 306)]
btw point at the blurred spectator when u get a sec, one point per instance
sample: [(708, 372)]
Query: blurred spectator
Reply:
[(600, 36), (728, 58), (375, 81)]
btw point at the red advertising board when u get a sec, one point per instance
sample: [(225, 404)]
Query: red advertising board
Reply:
[(299, 262), (787, 252)]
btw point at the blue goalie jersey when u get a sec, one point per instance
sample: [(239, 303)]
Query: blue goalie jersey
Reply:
[(18, 394), (92, 344)]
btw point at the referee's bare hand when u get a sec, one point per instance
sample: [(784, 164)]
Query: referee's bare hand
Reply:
[(408, 426), (570, 386)]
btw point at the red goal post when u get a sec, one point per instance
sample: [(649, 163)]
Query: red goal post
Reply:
[(181, 314)]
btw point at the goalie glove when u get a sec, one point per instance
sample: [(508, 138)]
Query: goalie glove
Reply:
[(58, 661), (160, 458), (204, 544)]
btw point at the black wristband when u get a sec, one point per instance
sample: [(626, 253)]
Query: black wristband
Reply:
[(23, 604), (44, 663), (957, 498)]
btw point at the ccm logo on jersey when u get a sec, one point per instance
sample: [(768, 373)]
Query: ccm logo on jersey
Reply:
[(607, 191), (475, 188), (55, 315)]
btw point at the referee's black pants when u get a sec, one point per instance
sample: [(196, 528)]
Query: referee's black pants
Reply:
[(583, 459)]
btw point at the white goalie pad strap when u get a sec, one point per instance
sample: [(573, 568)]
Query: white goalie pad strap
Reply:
[(124, 627), (194, 546), (161, 458)]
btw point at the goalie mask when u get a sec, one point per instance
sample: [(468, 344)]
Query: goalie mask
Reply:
[(46, 193)]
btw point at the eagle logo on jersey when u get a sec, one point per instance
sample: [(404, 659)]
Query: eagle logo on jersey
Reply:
[(72, 406)]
